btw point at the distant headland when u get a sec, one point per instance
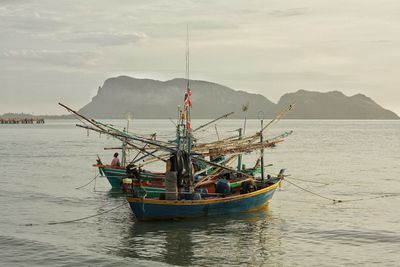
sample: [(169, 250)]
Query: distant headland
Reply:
[(153, 99), (150, 99)]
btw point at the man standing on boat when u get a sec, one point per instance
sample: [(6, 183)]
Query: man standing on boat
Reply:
[(115, 161)]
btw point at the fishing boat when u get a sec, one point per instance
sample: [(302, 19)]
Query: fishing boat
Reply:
[(184, 198), (227, 190), (153, 182), (197, 204), (116, 174), (189, 198)]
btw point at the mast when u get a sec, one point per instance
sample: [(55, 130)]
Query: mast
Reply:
[(188, 105), (239, 166), (123, 152), (262, 150), (178, 129), (124, 145)]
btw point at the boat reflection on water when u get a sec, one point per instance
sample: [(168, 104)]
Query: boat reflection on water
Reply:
[(246, 238)]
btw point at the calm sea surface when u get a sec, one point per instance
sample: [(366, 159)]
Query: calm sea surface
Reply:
[(41, 165)]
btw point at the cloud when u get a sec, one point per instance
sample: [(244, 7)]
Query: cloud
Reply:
[(106, 38), (24, 19), (56, 57), (278, 46), (380, 41), (290, 12)]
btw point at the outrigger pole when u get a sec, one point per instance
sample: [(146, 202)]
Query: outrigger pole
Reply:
[(120, 137), (81, 116), (120, 133), (142, 139), (210, 122), (221, 166), (279, 116)]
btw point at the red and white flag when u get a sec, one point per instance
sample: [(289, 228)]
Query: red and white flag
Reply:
[(187, 101)]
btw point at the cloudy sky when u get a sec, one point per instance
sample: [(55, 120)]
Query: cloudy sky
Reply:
[(53, 51)]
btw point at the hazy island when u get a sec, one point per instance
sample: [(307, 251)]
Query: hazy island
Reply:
[(150, 99), (153, 99)]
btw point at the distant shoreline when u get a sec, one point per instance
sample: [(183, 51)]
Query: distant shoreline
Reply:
[(30, 116), (72, 117)]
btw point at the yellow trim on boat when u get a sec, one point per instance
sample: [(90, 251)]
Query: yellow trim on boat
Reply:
[(203, 201), (262, 207)]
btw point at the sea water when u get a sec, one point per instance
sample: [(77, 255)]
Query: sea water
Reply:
[(41, 165)]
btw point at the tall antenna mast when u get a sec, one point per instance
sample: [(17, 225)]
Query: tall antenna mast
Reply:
[(188, 107), (187, 57)]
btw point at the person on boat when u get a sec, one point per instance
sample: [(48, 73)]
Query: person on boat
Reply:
[(223, 186), (115, 161)]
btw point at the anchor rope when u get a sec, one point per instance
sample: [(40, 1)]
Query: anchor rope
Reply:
[(309, 181), (340, 200), (88, 217), (313, 193), (87, 182), (383, 196), (80, 219)]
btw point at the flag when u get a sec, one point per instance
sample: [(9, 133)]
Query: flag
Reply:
[(187, 101)]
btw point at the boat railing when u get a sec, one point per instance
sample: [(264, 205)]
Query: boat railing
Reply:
[(199, 195)]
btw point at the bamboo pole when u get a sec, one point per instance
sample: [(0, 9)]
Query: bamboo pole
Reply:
[(217, 119)]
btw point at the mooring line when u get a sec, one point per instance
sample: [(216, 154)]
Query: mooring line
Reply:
[(88, 182), (366, 198), (321, 196), (339, 200), (79, 219), (309, 181)]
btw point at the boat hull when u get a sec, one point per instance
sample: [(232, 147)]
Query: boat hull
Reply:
[(116, 174), (154, 209)]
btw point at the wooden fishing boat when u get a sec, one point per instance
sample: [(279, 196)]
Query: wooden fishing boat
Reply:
[(153, 182), (184, 196), (116, 174), (146, 208)]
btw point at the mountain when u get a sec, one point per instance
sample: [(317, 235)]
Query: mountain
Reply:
[(149, 99), (333, 105)]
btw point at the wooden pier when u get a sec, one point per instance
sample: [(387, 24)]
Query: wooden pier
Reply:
[(21, 120)]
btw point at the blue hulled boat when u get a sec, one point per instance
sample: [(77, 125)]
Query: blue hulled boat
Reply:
[(216, 204)]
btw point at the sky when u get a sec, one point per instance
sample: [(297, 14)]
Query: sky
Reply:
[(62, 51)]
